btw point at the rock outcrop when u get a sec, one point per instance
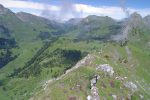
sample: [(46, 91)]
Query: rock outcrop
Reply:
[(106, 68)]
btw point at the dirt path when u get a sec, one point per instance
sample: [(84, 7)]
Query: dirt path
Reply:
[(81, 63)]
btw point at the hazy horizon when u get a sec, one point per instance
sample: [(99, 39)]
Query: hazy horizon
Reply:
[(66, 9)]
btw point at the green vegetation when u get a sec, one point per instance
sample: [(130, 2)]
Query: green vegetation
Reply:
[(34, 50)]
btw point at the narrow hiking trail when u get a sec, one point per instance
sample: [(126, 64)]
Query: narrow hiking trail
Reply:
[(86, 60)]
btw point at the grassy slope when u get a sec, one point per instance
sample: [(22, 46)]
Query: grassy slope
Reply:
[(25, 35), (22, 88), (139, 72)]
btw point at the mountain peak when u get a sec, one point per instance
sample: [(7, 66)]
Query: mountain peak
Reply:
[(92, 16), (147, 20), (135, 15), (27, 17), (24, 16), (2, 9), (136, 20), (147, 17)]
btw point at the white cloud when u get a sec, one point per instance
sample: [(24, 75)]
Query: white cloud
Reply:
[(79, 10), (27, 4), (114, 12)]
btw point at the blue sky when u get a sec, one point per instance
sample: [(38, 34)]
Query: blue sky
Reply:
[(129, 3), (66, 9)]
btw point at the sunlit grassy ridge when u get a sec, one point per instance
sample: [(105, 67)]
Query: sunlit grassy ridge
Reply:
[(67, 86), (46, 49)]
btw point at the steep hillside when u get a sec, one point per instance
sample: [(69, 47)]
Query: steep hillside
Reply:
[(21, 38), (147, 20), (94, 57), (127, 80), (95, 27), (129, 62)]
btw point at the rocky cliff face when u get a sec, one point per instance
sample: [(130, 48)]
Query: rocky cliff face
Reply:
[(147, 21), (2, 9)]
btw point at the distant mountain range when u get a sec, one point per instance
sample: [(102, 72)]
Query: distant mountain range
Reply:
[(34, 49)]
